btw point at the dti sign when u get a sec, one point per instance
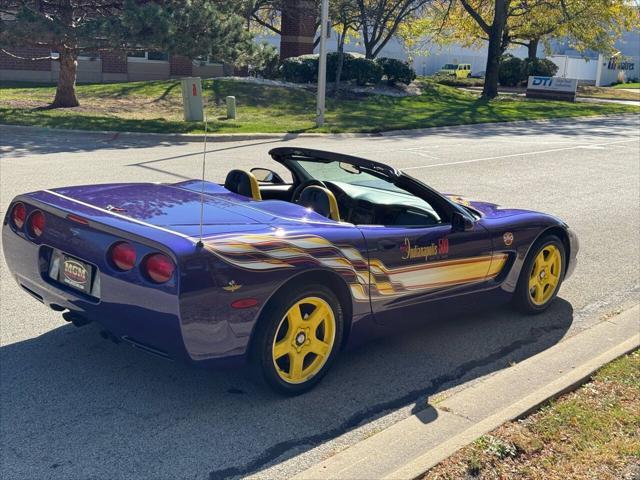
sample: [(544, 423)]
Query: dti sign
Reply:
[(555, 84), (556, 88), (542, 81)]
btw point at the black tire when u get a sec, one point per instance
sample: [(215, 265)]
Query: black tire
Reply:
[(523, 298), (269, 325)]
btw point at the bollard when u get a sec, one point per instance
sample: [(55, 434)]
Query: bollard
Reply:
[(231, 108)]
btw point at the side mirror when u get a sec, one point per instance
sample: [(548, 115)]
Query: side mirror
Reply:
[(460, 223), (264, 175)]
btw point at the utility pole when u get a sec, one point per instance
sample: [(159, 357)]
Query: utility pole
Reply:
[(322, 63)]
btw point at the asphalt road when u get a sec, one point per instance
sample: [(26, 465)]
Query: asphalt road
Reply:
[(75, 406)]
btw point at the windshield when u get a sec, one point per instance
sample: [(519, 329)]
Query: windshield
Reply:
[(345, 173), (450, 66)]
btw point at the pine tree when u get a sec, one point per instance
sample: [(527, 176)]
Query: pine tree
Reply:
[(74, 27)]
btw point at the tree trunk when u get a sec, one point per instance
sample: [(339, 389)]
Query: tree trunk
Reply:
[(341, 40), (66, 90), (490, 89), (532, 49)]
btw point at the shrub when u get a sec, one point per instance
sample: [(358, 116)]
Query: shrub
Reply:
[(332, 66), (302, 69), (363, 71), (539, 66), (396, 70), (452, 81), (511, 71), (264, 61)]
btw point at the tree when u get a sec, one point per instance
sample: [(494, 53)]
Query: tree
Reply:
[(380, 20), (346, 22), (73, 27), (585, 24), (491, 17)]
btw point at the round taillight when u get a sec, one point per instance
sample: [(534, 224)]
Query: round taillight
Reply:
[(18, 215), (159, 267), (123, 256), (36, 223)]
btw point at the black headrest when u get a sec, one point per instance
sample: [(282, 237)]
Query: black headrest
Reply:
[(243, 183)]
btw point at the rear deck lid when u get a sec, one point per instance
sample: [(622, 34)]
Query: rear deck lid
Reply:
[(165, 205)]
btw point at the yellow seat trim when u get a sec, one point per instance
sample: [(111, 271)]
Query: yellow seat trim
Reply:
[(255, 187), (334, 211)]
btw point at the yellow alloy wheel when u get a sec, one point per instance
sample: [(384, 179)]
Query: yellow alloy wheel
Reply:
[(545, 274), (304, 340)]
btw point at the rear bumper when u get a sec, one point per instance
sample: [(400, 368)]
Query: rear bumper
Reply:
[(145, 317)]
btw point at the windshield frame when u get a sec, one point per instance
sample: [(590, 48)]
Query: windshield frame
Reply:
[(287, 157)]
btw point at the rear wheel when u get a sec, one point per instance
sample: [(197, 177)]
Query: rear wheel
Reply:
[(541, 275), (298, 337)]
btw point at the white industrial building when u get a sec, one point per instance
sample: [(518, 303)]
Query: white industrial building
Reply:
[(589, 68)]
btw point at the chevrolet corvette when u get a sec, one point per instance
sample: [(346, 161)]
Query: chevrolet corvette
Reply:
[(280, 273)]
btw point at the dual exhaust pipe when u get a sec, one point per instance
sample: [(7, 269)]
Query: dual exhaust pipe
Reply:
[(80, 321)]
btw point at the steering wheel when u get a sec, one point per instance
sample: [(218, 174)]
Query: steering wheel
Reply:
[(295, 196)]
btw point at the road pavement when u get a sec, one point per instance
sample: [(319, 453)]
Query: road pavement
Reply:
[(75, 406)]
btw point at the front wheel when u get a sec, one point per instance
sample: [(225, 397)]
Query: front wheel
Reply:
[(297, 338), (541, 276)]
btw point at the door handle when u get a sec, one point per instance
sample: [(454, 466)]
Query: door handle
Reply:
[(387, 244)]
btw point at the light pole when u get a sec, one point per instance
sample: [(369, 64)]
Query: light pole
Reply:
[(322, 63)]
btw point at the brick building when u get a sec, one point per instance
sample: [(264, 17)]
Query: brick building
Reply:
[(298, 27), (106, 67), (298, 31)]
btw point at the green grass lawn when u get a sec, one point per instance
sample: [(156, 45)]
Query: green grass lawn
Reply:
[(591, 433), (628, 85), (157, 107)]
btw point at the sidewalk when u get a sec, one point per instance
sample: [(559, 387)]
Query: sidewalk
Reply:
[(412, 446), (242, 137)]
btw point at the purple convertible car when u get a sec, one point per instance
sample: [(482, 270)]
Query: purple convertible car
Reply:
[(282, 274)]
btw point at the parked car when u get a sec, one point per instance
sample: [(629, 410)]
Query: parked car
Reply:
[(478, 74), (459, 70), (280, 274)]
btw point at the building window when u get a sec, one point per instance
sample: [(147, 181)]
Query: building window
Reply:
[(91, 56), (206, 60), (148, 56)]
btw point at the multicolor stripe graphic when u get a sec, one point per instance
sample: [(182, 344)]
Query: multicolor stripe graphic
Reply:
[(265, 253)]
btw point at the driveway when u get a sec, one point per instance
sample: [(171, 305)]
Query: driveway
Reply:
[(75, 406)]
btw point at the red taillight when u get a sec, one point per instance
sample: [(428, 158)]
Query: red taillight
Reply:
[(123, 256), (18, 215), (36, 223), (159, 267)]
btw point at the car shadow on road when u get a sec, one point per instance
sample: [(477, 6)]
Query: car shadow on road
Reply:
[(74, 404)]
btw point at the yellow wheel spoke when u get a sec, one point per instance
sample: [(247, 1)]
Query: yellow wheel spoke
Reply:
[(295, 317), (295, 368), (538, 295), (318, 315), (319, 347), (282, 348)]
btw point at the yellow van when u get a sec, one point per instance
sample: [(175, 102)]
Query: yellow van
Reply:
[(459, 70)]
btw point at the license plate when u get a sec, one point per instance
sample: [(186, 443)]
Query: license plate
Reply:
[(76, 274)]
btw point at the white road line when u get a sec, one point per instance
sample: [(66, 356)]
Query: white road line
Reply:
[(538, 152)]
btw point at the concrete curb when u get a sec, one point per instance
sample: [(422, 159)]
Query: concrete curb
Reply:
[(412, 446), (242, 137)]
